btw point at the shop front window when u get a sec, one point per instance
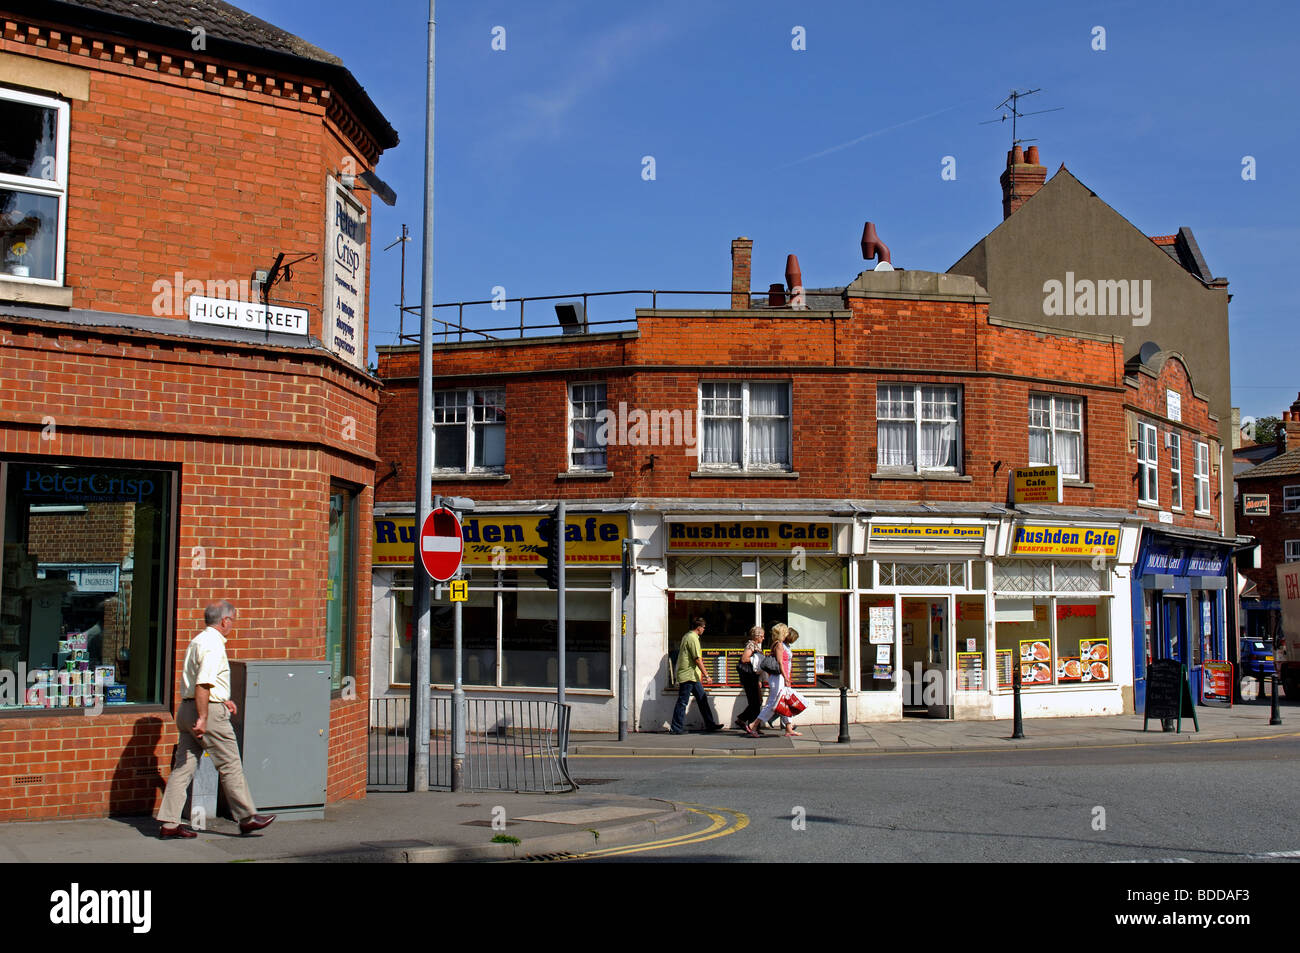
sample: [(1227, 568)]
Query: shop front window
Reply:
[(734, 593), (1054, 640), (84, 584), (517, 626)]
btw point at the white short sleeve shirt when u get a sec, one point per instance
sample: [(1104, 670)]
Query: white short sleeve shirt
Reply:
[(206, 664)]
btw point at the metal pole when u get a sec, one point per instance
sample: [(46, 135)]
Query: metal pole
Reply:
[(1275, 718), (458, 714), (417, 774), (1017, 719), (559, 600), (624, 702), (844, 714)]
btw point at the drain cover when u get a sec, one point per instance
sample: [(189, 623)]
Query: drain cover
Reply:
[(594, 780)]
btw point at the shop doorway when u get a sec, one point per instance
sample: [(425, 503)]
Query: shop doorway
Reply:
[(925, 656)]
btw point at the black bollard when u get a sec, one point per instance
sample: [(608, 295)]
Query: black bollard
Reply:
[(1017, 719), (1276, 717), (844, 715)]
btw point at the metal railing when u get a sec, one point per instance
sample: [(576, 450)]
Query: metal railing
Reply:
[(510, 745), (446, 331)]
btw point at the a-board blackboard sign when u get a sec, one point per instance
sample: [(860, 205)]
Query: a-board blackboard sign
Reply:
[(1169, 696)]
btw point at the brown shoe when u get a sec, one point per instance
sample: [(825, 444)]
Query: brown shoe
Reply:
[(255, 823), (175, 830)]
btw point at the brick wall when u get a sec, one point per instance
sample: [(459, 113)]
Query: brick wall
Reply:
[(1147, 400), (181, 163), (834, 362), (257, 443), (1272, 531)]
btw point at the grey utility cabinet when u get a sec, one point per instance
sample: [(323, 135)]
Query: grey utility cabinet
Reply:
[(283, 726)]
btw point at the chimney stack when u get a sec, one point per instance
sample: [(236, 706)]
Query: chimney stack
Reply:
[(1023, 177), (742, 252), (1291, 424)]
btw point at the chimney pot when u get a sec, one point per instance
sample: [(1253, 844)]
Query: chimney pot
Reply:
[(776, 295), (872, 246), (1017, 155), (1031, 157)]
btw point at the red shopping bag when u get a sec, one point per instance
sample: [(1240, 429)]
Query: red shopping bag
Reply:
[(790, 703)]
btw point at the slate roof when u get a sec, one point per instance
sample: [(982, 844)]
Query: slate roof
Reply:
[(245, 36), (218, 19), (1285, 464)]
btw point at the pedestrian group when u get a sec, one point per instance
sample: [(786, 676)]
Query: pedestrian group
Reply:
[(753, 667)]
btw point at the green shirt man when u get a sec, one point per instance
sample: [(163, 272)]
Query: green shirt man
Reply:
[(688, 657)]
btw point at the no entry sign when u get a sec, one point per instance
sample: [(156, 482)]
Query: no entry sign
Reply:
[(441, 545)]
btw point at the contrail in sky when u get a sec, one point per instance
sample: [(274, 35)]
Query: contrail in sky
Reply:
[(878, 132)]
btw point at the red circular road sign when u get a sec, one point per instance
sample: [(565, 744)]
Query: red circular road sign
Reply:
[(441, 544)]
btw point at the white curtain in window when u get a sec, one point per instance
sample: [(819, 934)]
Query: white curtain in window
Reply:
[(1067, 453), (897, 444), (769, 427), (1040, 447), (938, 445), (721, 441)]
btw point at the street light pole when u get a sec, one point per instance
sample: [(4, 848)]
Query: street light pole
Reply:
[(417, 776)]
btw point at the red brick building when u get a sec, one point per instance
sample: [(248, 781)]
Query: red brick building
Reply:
[(843, 467), (182, 418)]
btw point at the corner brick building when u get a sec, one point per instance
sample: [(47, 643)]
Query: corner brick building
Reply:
[(181, 417), (839, 462)]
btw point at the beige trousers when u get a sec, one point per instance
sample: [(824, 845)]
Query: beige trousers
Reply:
[(220, 743)]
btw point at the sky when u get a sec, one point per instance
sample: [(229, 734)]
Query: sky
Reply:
[(542, 185)]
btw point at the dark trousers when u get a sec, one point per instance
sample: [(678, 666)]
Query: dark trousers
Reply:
[(684, 692), (751, 683)]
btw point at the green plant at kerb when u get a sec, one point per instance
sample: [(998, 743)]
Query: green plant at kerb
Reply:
[(505, 839)]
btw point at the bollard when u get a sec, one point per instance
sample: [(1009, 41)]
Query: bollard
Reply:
[(1017, 718), (1276, 717), (844, 715)]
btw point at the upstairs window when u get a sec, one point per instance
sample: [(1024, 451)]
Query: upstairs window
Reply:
[(469, 425), (1056, 433), (586, 442), (1176, 470), (1202, 478), (745, 425), (1291, 499), (33, 186), (918, 428), (1148, 464)]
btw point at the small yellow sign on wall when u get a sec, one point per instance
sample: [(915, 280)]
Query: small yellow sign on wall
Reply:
[(1036, 485), (459, 590)]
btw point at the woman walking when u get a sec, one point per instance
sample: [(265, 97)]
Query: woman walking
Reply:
[(776, 681), (750, 678)]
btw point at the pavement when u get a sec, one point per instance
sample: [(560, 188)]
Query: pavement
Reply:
[(441, 827), (1248, 720)]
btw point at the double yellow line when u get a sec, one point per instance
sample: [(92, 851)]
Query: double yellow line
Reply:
[(722, 822)]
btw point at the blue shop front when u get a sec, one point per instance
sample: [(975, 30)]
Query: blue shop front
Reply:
[(1180, 584)]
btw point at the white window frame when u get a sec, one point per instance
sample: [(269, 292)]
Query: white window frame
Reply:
[(1176, 471), (745, 466), (1291, 550), (1291, 501), (1148, 463), (57, 188), (468, 425), (1051, 429), (917, 420), (1202, 478), (575, 466)]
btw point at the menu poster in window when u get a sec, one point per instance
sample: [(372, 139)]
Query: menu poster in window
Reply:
[(1035, 662), (907, 633), (882, 625), (970, 671), (720, 667), (1005, 660), (1094, 656), (883, 672), (883, 654), (1069, 669), (803, 668)]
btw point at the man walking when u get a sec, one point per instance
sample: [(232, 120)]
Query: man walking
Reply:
[(204, 724), (690, 681)]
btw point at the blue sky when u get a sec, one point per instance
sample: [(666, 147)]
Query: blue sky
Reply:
[(539, 147)]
